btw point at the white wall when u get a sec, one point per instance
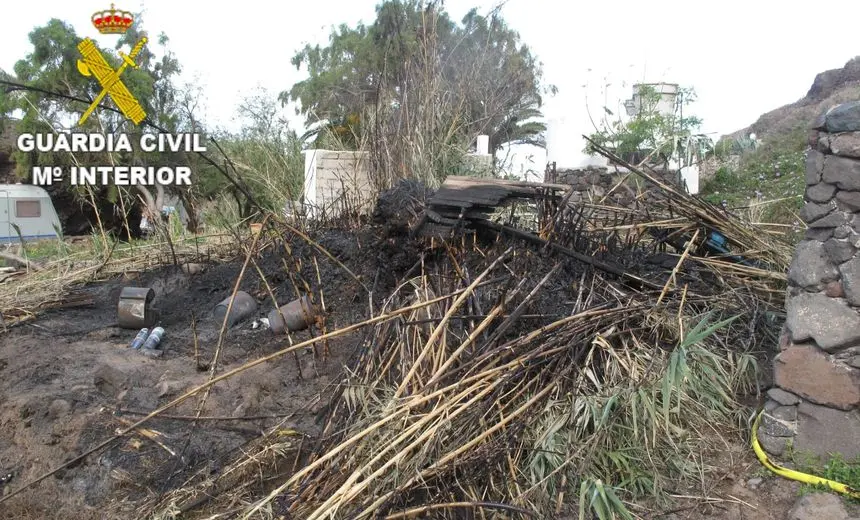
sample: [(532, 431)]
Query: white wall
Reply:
[(334, 180), (309, 191), (665, 106), (564, 143), (690, 175)]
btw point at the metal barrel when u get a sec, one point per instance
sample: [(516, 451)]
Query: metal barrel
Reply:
[(297, 315), (154, 339), (133, 310), (244, 305), (140, 338)]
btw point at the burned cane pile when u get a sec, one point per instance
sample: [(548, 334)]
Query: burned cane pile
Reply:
[(599, 356)]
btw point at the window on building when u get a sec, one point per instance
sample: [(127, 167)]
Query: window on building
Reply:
[(28, 208)]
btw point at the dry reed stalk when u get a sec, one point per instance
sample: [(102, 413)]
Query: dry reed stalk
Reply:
[(350, 492), (442, 324), (441, 410), (347, 491), (748, 238), (675, 269), (212, 382), (423, 510)]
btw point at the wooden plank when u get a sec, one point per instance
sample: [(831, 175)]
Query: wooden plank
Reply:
[(483, 190), (457, 190), (452, 204), (487, 191), (505, 182), (439, 219), (436, 230), (462, 200), (477, 197)]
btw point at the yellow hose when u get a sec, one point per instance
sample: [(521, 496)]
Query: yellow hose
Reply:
[(792, 474)]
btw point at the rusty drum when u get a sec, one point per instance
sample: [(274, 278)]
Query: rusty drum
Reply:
[(297, 315), (134, 311), (244, 306)]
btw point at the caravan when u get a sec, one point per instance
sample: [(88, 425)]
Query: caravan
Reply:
[(30, 209)]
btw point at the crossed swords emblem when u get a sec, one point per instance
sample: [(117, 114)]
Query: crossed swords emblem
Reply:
[(94, 64)]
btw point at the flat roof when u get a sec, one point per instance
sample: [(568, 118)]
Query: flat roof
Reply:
[(24, 190)]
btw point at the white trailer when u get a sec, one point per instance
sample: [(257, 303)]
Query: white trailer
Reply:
[(31, 209)]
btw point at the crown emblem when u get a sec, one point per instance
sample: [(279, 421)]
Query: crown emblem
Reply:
[(112, 21)]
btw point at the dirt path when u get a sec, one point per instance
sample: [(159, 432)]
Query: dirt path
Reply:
[(69, 380)]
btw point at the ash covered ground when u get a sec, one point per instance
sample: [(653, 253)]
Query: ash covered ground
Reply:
[(68, 380)]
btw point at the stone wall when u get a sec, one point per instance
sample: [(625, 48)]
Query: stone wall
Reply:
[(620, 186), (815, 406)]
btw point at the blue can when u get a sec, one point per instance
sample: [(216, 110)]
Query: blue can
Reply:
[(139, 339), (154, 338)]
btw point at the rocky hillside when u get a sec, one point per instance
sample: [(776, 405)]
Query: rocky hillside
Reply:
[(772, 175), (830, 88)]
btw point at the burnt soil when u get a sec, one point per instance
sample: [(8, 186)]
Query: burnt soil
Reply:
[(68, 380)]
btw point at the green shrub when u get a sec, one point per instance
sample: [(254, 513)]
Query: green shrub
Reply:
[(772, 174)]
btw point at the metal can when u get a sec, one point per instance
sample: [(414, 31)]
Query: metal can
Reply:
[(154, 338), (133, 310), (139, 339), (244, 306), (294, 316)]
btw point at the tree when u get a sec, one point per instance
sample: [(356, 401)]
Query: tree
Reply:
[(651, 135), (265, 154), (51, 67), (508, 91), (414, 82)]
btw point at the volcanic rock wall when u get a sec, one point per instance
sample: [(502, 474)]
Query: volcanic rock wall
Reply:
[(816, 405)]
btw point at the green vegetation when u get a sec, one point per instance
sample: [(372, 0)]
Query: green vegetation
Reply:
[(266, 153), (416, 89), (640, 434), (99, 247), (765, 180), (599, 499), (836, 468), (770, 178), (51, 66), (652, 134), (48, 249)]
